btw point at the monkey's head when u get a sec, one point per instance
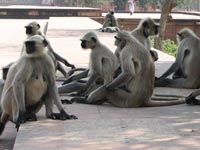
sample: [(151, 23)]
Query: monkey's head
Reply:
[(184, 33), (5, 72), (122, 38), (32, 28), (111, 12), (149, 27), (89, 40), (35, 45)]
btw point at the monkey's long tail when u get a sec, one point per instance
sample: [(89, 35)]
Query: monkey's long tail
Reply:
[(155, 103)]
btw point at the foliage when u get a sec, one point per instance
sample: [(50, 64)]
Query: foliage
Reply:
[(120, 4), (169, 47)]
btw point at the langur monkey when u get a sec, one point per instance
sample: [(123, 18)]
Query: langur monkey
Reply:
[(110, 20), (110, 23), (33, 28), (29, 85), (137, 76), (186, 68), (146, 28), (102, 64)]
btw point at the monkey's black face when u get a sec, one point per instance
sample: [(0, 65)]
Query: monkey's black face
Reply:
[(83, 44), (156, 28), (29, 30), (30, 47), (5, 72)]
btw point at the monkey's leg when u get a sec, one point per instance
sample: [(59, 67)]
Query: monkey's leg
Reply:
[(162, 82), (98, 96), (79, 76), (61, 69), (3, 121), (59, 58), (71, 87)]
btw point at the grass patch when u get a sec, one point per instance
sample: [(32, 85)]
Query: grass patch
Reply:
[(169, 46)]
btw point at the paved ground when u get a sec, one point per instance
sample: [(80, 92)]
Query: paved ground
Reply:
[(100, 127)]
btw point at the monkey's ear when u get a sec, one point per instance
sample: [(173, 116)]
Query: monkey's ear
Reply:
[(94, 39), (45, 42), (38, 26), (145, 24)]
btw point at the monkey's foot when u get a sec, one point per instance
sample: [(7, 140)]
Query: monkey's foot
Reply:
[(62, 116), (192, 101), (21, 119), (66, 101)]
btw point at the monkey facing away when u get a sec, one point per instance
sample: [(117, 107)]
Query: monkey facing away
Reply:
[(186, 68), (146, 28), (102, 64), (33, 28), (31, 83), (137, 76)]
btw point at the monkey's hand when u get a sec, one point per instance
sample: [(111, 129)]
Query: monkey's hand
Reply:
[(21, 119), (192, 100), (62, 116), (68, 64)]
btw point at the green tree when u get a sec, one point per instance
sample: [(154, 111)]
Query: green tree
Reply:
[(120, 4)]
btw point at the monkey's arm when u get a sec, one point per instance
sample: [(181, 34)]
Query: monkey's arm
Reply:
[(19, 92), (121, 79), (59, 58), (172, 69), (128, 71), (53, 97)]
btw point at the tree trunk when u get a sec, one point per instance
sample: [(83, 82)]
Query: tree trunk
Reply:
[(166, 9)]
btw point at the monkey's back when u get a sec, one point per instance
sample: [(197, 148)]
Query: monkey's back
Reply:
[(142, 83)]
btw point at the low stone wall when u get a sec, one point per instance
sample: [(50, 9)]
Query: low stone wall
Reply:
[(46, 12), (173, 26)]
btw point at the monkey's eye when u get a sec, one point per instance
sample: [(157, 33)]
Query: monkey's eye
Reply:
[(117, 38)]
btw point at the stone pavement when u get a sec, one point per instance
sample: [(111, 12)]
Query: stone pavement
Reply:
[(106, 127)]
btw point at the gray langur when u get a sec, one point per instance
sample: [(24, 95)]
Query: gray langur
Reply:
[(110, 20), (29, 85), (102, 64), (110, 23), (186, 68), (146, 28), (137, 76), (33, 28)]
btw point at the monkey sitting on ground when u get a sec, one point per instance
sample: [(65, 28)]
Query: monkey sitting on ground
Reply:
[(186, 68), (33, 28), (137, 76), (31, 83), (102, 65), (146, 28), (110, 23)]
